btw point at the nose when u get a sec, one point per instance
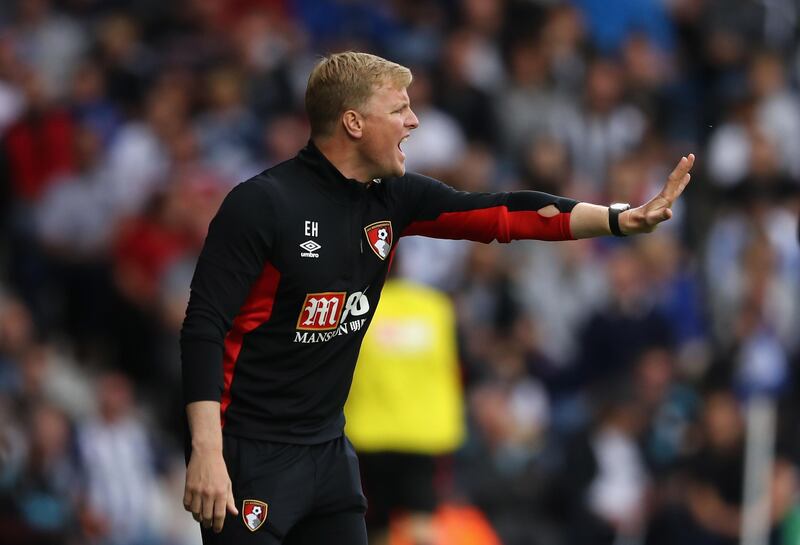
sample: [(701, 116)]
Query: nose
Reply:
[(412, 122)]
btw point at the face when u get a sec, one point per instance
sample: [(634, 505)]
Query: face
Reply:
[(387, 122)]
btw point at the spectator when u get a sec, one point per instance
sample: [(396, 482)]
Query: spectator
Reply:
[(228, 132), (605, 475), (137, 159), (128, 64), (563, 39), (120, 467), (574, 289), (670, 408), (602, 127), (90, 104), (777, 109), (611, 25), (616, 334), (456, 95), (675, 284), (37, 152), (75, 224), (526, 105), (12, 99), (507, 466), (402, 440), (51, 43), (39, 501), (38, 147), (716, 478), (440, 142)]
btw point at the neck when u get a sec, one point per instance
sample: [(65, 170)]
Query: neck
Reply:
[(344, 157)]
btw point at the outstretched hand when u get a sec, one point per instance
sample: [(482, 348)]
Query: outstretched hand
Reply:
[(645, 218)]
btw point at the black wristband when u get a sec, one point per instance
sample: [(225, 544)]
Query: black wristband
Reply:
[(613, 219)]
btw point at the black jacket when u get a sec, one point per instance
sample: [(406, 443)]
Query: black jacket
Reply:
[(290, 275)]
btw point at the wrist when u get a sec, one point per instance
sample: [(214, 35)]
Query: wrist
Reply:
[(617, 215), (626, 222), (207, 445), (204, 426)]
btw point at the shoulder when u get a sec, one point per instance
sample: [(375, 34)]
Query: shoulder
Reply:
[(268, 185), (249, 193), (291, 168), (409, 178), (410, 182), (250, 202)]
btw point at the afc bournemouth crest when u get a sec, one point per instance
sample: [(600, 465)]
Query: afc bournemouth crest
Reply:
[(379, 235), (254, 514)]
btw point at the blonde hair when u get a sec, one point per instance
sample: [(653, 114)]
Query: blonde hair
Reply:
[(344, 81)]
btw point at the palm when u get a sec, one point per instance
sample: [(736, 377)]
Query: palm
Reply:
[(658, 209)]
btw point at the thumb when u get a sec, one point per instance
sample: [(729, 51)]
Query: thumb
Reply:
[(231, 504)]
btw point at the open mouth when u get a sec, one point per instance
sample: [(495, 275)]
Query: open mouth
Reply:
[(400, 144)]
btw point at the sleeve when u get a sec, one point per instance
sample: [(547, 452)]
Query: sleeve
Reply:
[(437, 210), (237, 247)]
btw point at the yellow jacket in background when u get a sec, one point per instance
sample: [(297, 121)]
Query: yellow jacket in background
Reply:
[(406, 394)]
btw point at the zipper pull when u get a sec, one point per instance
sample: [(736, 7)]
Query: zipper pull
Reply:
[(361, 244)]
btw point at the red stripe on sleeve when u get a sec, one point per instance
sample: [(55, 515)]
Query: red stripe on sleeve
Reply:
[(255, 311), (529, 224), (495, 223)]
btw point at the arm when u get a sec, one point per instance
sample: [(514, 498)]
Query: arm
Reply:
[(208, 493), (711, 512), (782, 491), (441, 212), (236, 250)]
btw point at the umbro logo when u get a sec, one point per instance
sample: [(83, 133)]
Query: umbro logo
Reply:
[(310, 248)]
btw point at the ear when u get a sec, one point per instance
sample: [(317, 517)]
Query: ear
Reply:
[(353, 123)]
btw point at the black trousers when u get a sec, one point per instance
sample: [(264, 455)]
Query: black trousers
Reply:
[(293, 494), (397, 481)]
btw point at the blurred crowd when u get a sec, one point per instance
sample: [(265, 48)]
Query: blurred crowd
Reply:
[(605, 380)]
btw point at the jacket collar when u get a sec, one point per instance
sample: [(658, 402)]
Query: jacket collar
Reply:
[(328, 173)]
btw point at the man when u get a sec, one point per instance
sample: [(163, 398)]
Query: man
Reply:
[(285, 288), (405, 411)]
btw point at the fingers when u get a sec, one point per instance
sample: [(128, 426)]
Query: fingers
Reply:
[(232, 504), (222, 506), (210, 510), (679, 178), (196, 507), (683, 167), (208, 494), (187, 500), (219, 515)]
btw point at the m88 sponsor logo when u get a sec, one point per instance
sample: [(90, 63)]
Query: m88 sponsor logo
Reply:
[(327, 313)]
